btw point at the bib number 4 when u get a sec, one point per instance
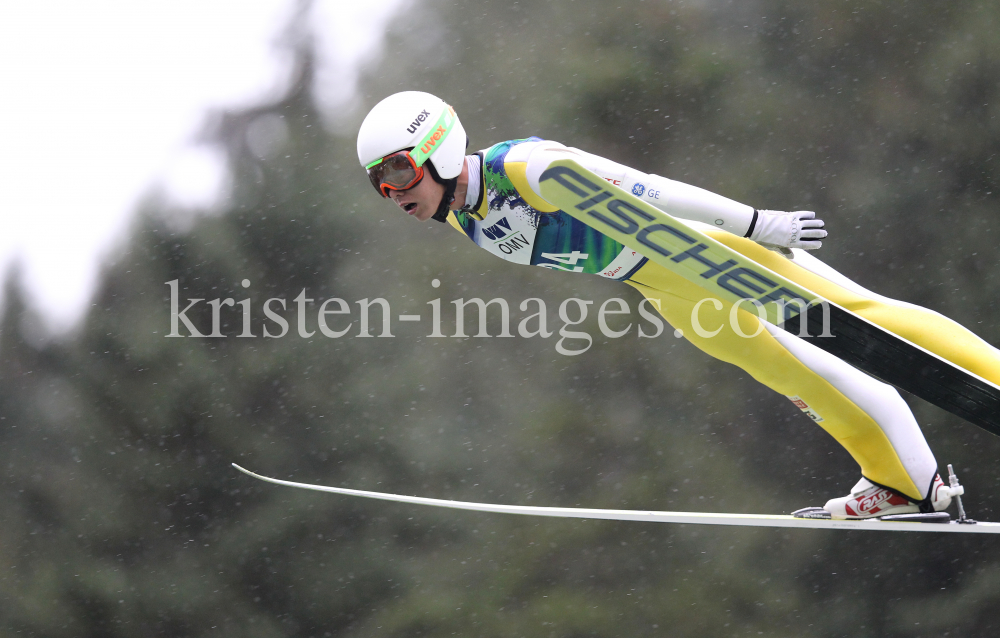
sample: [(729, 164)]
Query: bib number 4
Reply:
[(569, 259)]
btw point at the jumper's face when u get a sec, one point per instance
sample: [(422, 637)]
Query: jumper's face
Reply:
[(421, 200)]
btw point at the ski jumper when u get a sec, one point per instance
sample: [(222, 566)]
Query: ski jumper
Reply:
[(505, 215)]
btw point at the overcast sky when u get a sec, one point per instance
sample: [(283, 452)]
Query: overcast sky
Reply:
[(102, 101)]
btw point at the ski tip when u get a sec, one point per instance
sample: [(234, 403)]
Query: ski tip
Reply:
[(258, 476), (244, 470)]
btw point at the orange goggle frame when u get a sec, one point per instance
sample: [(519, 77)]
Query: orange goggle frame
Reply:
[(398, 172)]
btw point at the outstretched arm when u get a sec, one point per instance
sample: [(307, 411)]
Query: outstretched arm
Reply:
[(799, 229)]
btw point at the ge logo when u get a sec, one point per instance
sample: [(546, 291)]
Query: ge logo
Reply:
[(638, 190)]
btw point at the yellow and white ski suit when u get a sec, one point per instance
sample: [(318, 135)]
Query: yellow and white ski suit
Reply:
[(866, 416)]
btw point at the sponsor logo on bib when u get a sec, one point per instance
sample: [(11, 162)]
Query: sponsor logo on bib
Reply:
[(496, 231)]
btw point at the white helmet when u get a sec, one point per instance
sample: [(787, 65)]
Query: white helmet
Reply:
[(416, 120)]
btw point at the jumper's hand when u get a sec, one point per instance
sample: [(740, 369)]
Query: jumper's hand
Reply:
[(797, 229)]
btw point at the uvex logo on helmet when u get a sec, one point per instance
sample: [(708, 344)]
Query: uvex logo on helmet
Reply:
[(412, 128), (429, 144)]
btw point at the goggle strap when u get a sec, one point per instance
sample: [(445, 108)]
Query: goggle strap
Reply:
[(434, 138)]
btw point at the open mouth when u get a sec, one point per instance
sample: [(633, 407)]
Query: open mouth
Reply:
[(409, 208)]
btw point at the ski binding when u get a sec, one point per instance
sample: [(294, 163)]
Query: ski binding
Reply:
[(819, 513)]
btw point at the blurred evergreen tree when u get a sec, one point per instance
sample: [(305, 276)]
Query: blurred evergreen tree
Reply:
[(123, 516)]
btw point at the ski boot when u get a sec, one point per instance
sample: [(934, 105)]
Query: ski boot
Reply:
[(868, 500)]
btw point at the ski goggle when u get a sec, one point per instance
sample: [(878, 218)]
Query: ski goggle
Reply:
[(404, 169), (397, 172)]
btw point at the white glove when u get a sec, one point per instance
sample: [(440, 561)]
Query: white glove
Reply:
[(798, 229)]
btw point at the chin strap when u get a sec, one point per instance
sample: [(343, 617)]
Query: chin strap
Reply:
[(449, 194)]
